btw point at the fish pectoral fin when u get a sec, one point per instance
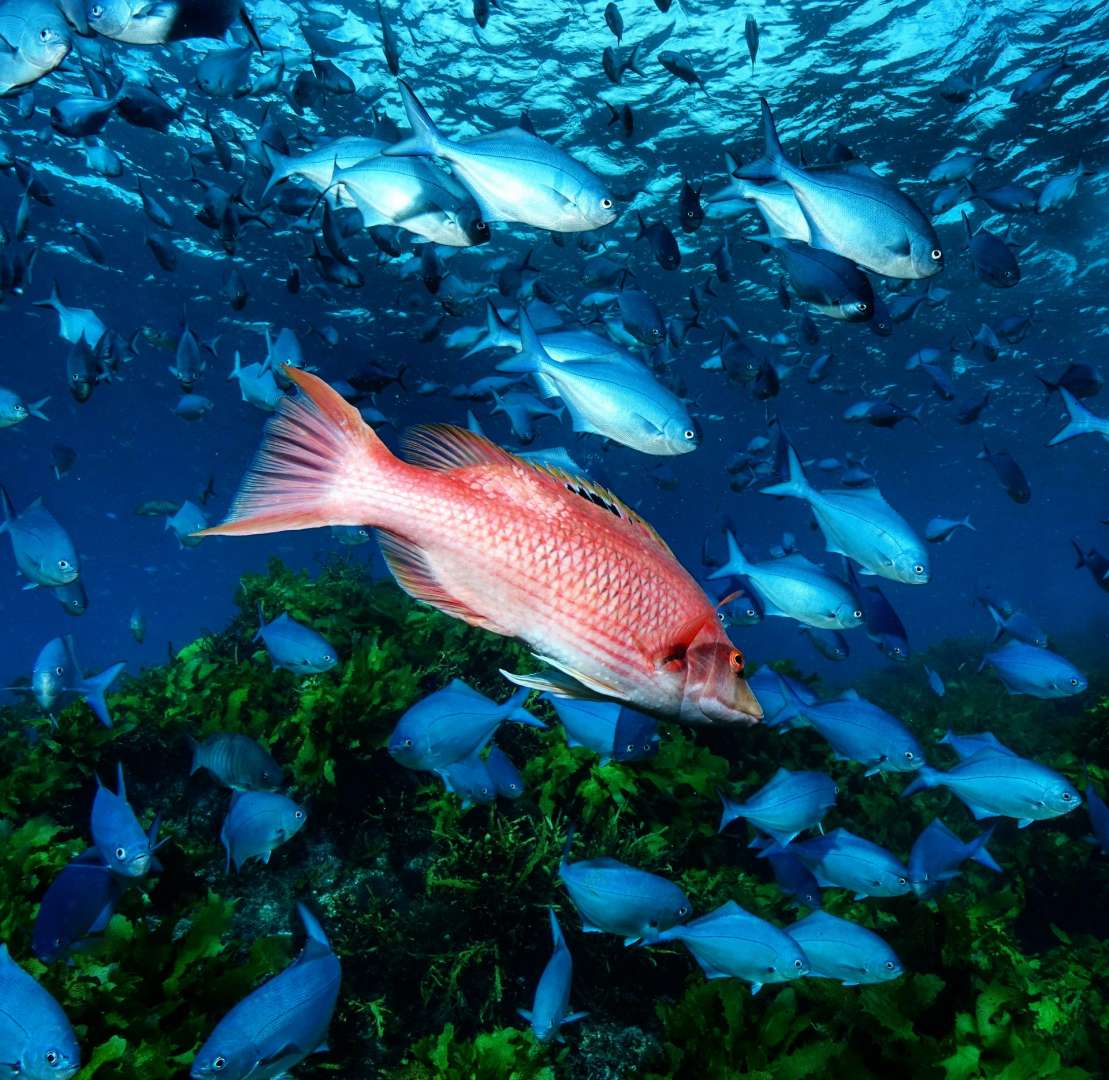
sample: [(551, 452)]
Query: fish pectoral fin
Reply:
[(558, 683), (409, 565), (594, 685)]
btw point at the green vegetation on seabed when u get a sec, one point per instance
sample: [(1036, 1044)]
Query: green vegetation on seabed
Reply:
[(439, 915)]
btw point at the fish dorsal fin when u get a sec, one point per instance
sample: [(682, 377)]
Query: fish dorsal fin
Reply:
[(600, 496), (443, 447)]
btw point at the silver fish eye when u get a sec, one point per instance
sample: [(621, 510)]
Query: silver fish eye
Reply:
[(918, 569), (689, 434), (909, 755), (861, 306), (326, 657), (902, 881), (407, 742), (63, 564), (936, 254), (606, 203), (1074, 682), (683, 911), (857, 613), (889, 965), (1066, 796), (299, 815), (59, 671), (44, 34), (121, 853), (96, 11), (51, 1057), (218, 1063), (481, 227), (630, 747), (799, 964)]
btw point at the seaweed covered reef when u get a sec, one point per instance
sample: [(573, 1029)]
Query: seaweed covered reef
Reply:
[(438, 915)]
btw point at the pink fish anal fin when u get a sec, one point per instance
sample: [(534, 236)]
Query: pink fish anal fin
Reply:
[(409, 566)]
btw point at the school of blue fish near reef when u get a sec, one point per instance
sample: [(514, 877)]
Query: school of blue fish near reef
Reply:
[(373, 161)]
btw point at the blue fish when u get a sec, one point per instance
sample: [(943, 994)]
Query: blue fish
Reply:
[(613, 731), (935, 683), (57, 677), (550, 1008), (77, 905), (470, 780), (236, 761), (1017, 625), (883, 625), (1040, 673), (831, 644), (295, 647), (938, 853), (1099, 818), (730, 943), (843, 860), (994, 783), (451, 724), (507, 781), (838, 949), (256, 823), (188, 520), (278, 1025), (860, 731), (790, 803), (793, 877), (36, 1040), (614, 898), (966, 746), (782, 698), (123, 845), (44, 553)]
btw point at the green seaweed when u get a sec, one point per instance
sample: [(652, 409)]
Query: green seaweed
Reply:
[(439, 914)]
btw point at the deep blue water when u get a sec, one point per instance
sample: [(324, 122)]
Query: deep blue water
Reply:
[(864, 74)]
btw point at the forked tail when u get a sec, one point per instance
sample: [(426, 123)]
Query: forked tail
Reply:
[(316, 466)]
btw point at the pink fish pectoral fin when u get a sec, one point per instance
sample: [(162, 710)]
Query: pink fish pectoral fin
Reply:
[(593, 685), (408, 564), (562, 682)]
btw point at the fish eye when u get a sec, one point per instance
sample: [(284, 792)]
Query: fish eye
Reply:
[(51, 1057), (219, 1063), (121, 853), (63, 564), (750, 613), (96, 11), (720, 617), (1074, 682), (1066, 796), (683, 911), (59, 671), (407, 742), (630, 747), (299, 815), (799, 964), (326, 657), (909, 755), (902, 881), (689, 434), (861, 306), (857, 613), (736, 661), (480, 226), (918, 569), (44, 34), (889, 965), (606, 203), (936, 254)]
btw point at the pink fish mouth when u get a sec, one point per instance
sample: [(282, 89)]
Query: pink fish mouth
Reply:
[(743, 711)]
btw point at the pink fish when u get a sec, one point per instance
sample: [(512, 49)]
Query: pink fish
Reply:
[(524, 551)]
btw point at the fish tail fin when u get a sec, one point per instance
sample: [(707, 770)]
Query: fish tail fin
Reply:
[(426, 139), (514, 709), (54, 300), (35, 408), (632, 62), (981, 856), (1049, 387), (236, 367), (557, 938), (984, 453), (926, 778), (312, 467), (1080, 422), (797, 486), (967, 525), (729, 811), (498, 334), (641, 226), (251, 29), (998, 622), (532, 358), (317, 943), (736, 564), (1080, 557), (94, 688), (281, 167), (769, 166)]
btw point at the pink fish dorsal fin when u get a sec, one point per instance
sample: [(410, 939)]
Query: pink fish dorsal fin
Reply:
[(443, 446), (600, 496)]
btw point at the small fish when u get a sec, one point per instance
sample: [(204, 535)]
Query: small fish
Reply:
[(36, 1040), (137, 23), (831, 644), (1099, 818), (186, 522), (842, 860), (787, 805), (992, 259), (937, 854), (13, 410), (1026, 669), (842, 950), (44, 552), (72, 597), (453, 724), (236, 761), (690, 211), (663, 244), (781, 698), (679, 65), (751, 33), (999, 783), (123, 845), (612, 731), (278, 1025), (293, 646), (550, 1009), (940, 529), (1017, 625), (257, 823), (1060, 188), (469, 779), (935, 683), (78, 904), (1008, 472), (861, 525), (730, 943), (614, 898), (57, 676), (507, 779), (792, 876)]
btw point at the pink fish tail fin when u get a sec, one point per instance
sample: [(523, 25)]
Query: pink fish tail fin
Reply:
[(315, 467)]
